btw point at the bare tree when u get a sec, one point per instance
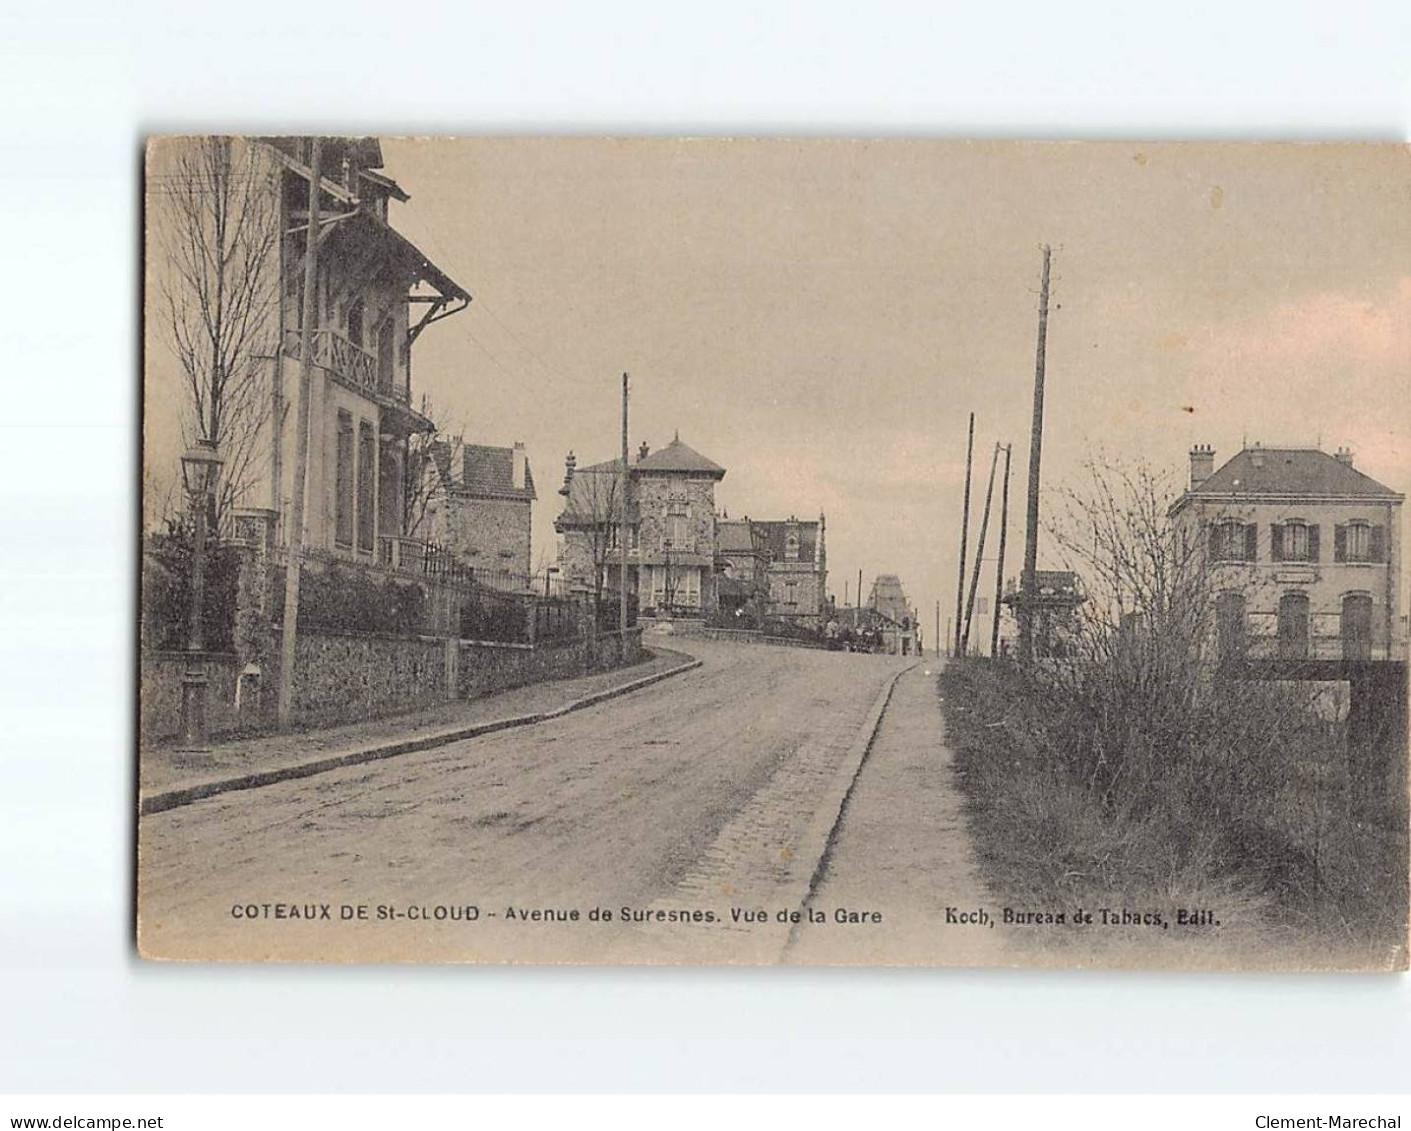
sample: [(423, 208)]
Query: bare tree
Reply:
[(590, 525), (218, 223), (434, 460)]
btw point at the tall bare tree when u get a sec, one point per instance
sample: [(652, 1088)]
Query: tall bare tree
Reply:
[(434, 462), (217, 213)]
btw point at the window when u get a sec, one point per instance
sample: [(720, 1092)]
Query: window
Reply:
[(1230, 625), (386, 344), (355, 322), (367, 494), (1294, 541), (676, 534), (1359, 541), (791, 592), (1293, 626), (1233, 541), (343, 482), (1357, 626)]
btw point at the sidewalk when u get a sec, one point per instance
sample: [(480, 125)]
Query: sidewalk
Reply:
[(902, 848), (247, 763)]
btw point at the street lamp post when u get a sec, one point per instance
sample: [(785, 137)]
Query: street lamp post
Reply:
[(200, 467)]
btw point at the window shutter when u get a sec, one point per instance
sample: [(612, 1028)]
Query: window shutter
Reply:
[(1251, 543), (1314, 549), (1339, 542), (1276, 541), (1213, 536), (1378, 544)]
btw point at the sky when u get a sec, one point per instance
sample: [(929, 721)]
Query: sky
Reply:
[(821, 317)]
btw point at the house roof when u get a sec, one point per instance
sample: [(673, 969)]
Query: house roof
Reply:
[(485, 471), (776, 534), (734, 536), (594, 497), (677, 459), (1290, 471), (888, 596), (489, 473)]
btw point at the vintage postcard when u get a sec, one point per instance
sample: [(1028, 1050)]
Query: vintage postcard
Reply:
[(889, 552)]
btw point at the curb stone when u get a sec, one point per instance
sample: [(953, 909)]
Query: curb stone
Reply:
[(824, 828), (175, 797)]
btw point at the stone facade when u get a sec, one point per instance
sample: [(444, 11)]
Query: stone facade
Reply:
[(670, 507), (797, 571), (481, 510), (1303, 552)]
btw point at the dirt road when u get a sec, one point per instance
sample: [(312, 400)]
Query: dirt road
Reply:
[(684, 800)]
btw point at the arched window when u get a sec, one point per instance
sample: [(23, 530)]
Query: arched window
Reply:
[(1294, 541), (1356, 626), (1232, 541), (1293, 626), (1230, 626)]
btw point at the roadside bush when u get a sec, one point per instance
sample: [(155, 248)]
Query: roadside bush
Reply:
[(1137, 768), (352, 600), (166, 592)]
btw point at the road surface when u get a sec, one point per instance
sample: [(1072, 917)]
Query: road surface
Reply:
[(694, 798)]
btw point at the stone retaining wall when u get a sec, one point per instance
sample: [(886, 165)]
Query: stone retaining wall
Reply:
[(346, 677)]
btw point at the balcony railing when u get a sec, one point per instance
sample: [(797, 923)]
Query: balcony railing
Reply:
[(348, 362)]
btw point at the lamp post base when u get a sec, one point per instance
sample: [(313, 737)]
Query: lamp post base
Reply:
[(193, 749)]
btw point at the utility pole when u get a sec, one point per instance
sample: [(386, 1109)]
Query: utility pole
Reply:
[(623, 528), (938, 630), (1036, 443), (979, 554), (289, 639), (859, 589), (999, 567), (964, 538)]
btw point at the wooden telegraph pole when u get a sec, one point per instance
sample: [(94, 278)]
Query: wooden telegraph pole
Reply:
[(979, 554), (289, 640), (999, 566), (938, 630), (964, 538), (1036, 443), (622, 532)]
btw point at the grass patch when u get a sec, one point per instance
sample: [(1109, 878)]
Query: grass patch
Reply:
[(1238, 803)]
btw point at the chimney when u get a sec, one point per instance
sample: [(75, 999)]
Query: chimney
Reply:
[(1202, 464), (643, 451), (1344, 456), (569, 463), (519, 464)]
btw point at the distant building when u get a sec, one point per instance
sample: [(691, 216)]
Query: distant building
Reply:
[(1304, 552), (670, 505), (797, 571), (896, 619), (481, 508), (1057, 595), (742, 570)]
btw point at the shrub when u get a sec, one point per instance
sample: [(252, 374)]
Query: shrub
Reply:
[(166, 591), (352, 600)]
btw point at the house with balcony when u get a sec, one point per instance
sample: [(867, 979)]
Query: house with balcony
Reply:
[(1303, 552), (668, 564), (375, 294)]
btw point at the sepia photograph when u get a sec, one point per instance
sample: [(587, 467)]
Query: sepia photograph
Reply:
[(761, 552)]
